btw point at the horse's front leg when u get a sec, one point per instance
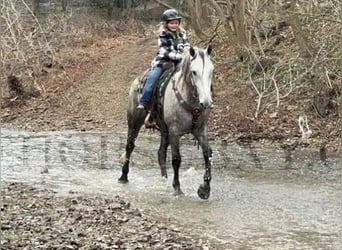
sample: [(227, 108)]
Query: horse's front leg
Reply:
[(176, 162), (204, 189), (164, 143)]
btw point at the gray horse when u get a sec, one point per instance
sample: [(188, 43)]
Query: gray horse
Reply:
[(184, 109)]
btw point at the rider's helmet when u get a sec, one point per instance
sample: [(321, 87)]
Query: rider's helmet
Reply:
[(171, 14)]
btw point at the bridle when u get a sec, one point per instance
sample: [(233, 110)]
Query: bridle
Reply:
[(194, 110)]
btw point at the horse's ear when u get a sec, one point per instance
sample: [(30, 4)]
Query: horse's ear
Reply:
[(192, 51), (209, 49)]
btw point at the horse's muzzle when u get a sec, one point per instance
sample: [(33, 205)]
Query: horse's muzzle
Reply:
[(206, 105)]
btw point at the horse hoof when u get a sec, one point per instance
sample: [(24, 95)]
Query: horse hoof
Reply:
[(178, 193), (204, 192), (123, 180)]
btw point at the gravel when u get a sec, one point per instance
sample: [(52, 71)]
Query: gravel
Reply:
[(38, 218)]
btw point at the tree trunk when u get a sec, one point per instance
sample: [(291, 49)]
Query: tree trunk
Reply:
[(64, 4), (303, 42), (230, 32), (203, 13), (110, 8), (195, 21), (239, 22)]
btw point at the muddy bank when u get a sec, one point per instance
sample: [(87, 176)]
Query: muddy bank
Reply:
[(39, 218)]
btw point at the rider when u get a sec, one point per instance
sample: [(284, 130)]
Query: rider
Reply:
[(172, 42)]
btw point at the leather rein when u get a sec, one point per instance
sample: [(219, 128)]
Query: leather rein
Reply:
[(194, 110)]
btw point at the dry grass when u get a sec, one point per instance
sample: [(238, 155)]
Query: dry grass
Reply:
[(273, 66), (33, 51)]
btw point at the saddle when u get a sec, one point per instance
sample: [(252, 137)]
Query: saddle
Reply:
[(150, 119), (169, 68)]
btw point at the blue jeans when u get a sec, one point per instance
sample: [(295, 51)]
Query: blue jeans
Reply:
[(151, 82)]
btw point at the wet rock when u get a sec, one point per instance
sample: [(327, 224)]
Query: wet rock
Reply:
[(135, 212), (74, 201)]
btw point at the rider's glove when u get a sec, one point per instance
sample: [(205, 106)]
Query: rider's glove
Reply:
[(180, 47)]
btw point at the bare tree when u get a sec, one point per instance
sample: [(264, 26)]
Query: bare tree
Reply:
[(23, 45), (64, 4), (232, 17), (110, 8), (299, 33), (195, 19), (237, 9), (202, 12)]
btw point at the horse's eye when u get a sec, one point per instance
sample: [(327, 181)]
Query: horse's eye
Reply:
[(194, 73)]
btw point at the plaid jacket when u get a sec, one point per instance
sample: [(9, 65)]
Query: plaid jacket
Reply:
[(170, 47)]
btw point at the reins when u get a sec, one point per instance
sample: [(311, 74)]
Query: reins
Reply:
[(194, 110)]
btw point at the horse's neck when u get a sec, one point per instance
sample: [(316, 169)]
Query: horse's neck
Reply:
[(183, 81), (187, 90)]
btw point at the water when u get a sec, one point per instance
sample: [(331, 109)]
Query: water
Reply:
[(259, 200)]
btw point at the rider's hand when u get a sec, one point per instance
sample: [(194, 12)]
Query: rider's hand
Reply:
[(180, 47)]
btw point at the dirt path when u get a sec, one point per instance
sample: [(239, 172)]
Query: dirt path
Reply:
[(96, 102), (102, 98)]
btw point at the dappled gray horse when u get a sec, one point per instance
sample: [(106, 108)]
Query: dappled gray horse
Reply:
[(184, 109)]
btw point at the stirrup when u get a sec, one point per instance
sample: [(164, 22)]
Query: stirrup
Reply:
[(150, 122)]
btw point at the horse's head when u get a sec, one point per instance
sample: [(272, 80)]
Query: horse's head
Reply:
[(200, 73)]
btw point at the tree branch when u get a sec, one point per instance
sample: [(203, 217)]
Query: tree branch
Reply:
[(214, 33), (194, 21)]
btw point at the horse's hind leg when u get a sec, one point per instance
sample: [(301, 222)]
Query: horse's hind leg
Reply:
[(164, 143), (204, 189), (133, 131), (176, 162)]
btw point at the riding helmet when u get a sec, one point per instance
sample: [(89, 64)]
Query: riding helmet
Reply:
[(171, 14)]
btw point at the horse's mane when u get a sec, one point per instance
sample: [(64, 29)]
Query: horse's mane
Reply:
[(184, 67)]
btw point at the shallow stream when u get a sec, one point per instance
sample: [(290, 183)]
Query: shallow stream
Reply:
[(261, 198)]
